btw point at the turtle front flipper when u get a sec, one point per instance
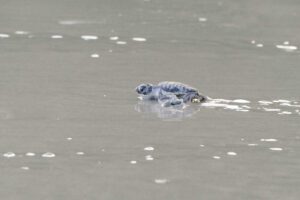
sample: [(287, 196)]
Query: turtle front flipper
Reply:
[(167, 99)]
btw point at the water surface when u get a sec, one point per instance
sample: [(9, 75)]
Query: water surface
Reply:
[(73, 128)]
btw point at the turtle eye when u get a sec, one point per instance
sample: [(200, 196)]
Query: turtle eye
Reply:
[(140, 89)]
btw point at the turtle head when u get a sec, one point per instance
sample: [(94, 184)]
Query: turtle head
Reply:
[(144, 89)]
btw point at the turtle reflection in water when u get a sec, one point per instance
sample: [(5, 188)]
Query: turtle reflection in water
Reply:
[(171, 113), (170, 93)]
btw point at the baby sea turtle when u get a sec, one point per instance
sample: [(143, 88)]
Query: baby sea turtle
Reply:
[(170, 93)]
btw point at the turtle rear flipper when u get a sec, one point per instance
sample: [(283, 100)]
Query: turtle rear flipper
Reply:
[(194, 98)]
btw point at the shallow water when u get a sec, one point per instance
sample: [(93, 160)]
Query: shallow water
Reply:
[(73, 128)]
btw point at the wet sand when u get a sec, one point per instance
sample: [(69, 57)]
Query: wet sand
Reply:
[(73, 128)]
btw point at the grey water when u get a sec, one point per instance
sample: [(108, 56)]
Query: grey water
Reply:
[(72, 127)]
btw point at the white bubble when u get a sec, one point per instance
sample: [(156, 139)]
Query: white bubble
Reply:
[(2, 35), (133, 162), (240, 101), (69, 138), (265, 102), (276, 149), (244, 106), (202, 19), (253, 42), (95, 55), (149, 157), (281, 101), (9, 155), (286, 42), (272, 109), (216, 157), (202, 145), (230, 153), (288, 104), (139, 39), (89, 37), (69, 22), (259, 45), (56, 36), (25, 168), (30, 154), (287, 47), (21, 32), (149, 148), (121, 42), (161, 181), (80, 153), (285, 113), (268, 140), (77, 22), (243, 110), (232, 107), (114, 38), (48, 155), (252, 144)]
